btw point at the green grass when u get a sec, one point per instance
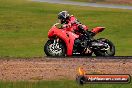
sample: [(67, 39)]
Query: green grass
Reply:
[(59, 84), (24, 26)]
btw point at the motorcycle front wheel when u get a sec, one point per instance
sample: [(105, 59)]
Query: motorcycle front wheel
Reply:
[(54, 49)]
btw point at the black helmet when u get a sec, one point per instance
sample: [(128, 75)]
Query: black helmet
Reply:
[(63, 16)]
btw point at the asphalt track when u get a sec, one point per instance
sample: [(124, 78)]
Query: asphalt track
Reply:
[(86, 4)]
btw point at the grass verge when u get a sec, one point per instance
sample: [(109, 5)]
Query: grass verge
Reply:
[(59, 84), (24, 26)]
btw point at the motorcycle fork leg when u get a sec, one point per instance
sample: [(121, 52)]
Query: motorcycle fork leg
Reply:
[(57, 40)]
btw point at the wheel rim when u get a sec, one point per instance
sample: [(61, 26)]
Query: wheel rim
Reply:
[(108, 50), (55, 49)]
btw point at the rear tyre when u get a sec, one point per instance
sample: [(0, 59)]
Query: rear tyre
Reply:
[(109, 52), (51, 50)]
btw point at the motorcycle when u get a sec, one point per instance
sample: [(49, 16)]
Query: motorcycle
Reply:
[(67, 43)]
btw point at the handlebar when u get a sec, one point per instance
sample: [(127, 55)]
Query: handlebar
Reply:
[(56, 24)]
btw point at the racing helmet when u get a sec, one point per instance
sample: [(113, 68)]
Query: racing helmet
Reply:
[(63, 16)]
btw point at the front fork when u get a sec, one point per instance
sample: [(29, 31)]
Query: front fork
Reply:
[(56, 43)]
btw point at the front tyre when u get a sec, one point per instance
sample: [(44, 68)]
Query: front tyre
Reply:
[(54, 49), (109, 51)]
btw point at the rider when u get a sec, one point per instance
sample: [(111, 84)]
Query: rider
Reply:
[(70, 23)]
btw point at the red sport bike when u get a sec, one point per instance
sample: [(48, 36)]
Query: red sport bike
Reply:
[(67, 43)]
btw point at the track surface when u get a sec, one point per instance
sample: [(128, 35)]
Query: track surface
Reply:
[(85, 4), (59, 68)]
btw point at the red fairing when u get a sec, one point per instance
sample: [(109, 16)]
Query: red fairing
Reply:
[(67, 36), (97, 29)]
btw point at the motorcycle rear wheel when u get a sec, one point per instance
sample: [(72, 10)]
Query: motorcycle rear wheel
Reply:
[(106, 53), (49, 52)]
